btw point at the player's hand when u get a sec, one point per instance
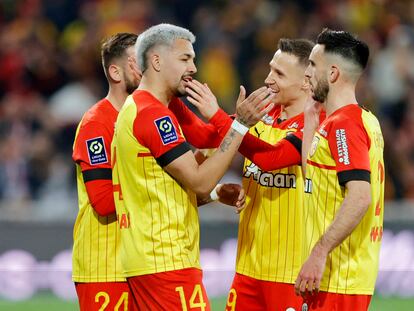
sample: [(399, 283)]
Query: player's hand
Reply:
[(252, 109), (309, 278), (233, 195), (312, 113), (202, 97), (132, 63)]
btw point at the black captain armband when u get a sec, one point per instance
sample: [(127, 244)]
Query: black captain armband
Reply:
[(173, 154), (97, 173), (345, 176)]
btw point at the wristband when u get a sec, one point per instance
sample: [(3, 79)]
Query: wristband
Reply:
[(213, 194), (239, 128)]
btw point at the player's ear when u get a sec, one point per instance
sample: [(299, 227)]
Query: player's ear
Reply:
[(114, 73), (334, 74), (155, 62)]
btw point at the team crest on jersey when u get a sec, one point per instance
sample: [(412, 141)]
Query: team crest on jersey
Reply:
[(314, 146), (96, 150), (166, 130)]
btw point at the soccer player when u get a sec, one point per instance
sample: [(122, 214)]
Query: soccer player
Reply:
[(344, 209), (156, 176), (269, 250), (97, 270)]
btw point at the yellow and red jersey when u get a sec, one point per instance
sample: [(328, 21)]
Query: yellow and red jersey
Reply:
[(268, 245), (347, 146), (96, 238), (158, 217)]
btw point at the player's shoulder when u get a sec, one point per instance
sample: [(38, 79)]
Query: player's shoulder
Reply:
[(102, 113), (148, 106), (347, 115)]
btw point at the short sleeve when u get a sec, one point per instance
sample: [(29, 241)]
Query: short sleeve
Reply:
[(157, 129), (92, 146), (197, 132), (349, 144)]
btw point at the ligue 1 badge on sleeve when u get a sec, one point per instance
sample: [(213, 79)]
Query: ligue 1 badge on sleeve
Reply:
[(96, 150), (166, 130)]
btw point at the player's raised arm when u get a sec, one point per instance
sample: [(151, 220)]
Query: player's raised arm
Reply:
[(202, 178)]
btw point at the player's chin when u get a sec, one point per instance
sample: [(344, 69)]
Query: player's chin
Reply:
[(180, 91)]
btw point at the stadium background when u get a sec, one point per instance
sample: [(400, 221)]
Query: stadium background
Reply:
[(50, 73)]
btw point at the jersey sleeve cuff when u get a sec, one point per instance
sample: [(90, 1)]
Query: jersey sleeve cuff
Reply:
[(295, 141), (345, 176), (172, 154), (220, 118)]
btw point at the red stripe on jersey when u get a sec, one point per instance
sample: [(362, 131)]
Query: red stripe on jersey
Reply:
[(144, 154), (328, 167)]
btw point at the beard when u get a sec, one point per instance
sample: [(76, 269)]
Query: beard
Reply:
[(180, 89), (179, 92), (320, 92), (130, 85)]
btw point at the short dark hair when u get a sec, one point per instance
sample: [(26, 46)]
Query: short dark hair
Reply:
[(344, 44), (115, 46), (301, 48)]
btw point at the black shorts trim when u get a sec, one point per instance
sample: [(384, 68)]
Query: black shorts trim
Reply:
[(173, 154), (295, 141), (97, 173), (345, 176)]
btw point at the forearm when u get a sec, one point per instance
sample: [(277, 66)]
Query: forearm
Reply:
[(212, 169), (201, 178), (269, 157), (100, 194)]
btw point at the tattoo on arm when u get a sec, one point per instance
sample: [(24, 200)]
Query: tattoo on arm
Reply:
[(224, 146)]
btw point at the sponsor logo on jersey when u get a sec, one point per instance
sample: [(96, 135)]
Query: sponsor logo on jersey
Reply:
[(166, 130), (342, 146), (96, 150), (308, 185), (268, 179)]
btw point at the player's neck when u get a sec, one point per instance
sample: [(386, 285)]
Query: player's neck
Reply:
[(293, 109), (340, 97), (116, 97), (156, 90)]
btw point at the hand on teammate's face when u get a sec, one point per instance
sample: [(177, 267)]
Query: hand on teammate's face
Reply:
[(252, 109), (233, 195), (134, 68), (202, 97)]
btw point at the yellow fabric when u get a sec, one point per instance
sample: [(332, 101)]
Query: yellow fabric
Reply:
[(158, 217), (351, 267), (270, 226), (95, 242)]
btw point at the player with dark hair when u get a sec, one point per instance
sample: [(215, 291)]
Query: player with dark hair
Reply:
[(97, 270), (344, 209), (269, 251)]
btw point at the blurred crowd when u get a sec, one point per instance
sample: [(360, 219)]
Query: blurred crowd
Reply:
[(50, 73)]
